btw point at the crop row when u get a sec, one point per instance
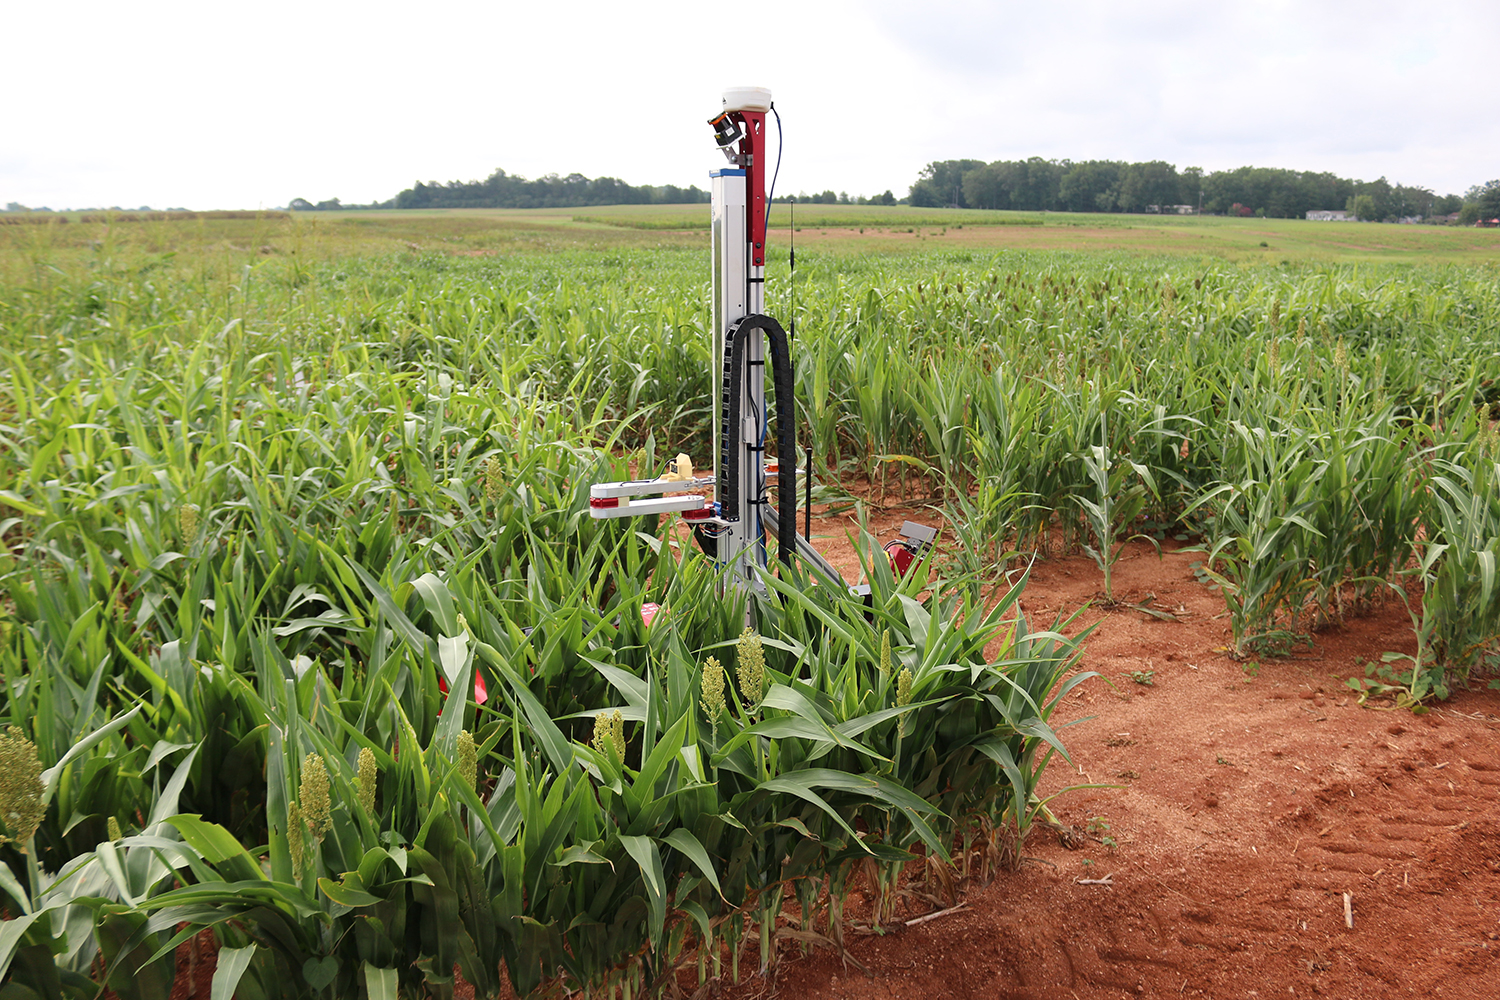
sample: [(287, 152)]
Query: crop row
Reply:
[(270, 521), (309, 639), (1324, 430)]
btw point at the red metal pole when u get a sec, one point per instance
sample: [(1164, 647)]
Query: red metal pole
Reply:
[(752, 150)]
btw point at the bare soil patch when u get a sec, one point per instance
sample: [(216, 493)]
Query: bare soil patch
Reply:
[(1250, 800)]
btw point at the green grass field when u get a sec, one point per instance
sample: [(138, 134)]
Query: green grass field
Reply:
[(842, 229), (860, 228), (274, 492)]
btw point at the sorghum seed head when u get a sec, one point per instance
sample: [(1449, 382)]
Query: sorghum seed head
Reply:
[(468, 759), (21, 787), (366, 780), (713, 688), (903, 688), (317, 805), (494, 479), (609, 734), (752, 665), (295, 839)]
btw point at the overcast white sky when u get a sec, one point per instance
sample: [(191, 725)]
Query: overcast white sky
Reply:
[(203, 105)]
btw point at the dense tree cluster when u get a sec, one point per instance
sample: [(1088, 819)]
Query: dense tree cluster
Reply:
[(502, 190), (1039, 185), (1482, 201)]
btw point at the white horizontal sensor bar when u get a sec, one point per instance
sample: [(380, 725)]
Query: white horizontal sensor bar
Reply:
[(641, 487), (654, 505)]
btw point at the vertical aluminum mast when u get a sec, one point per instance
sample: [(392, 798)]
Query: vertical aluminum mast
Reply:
[(739, 267), (745, 343)]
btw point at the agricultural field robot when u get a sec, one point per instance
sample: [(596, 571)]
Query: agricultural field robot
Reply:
[(732, 527)]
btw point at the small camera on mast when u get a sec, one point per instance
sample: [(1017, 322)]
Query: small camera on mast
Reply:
[(726, 129)]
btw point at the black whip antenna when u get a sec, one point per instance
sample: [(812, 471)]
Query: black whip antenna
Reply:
[(792, 268)]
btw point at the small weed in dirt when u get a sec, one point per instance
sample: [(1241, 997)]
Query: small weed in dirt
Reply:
[(1160, 530), (1221, 760), (1277, 642), (1145, 678), (1098, 828), (1251, 669), (1096, 823), (1409, 687)]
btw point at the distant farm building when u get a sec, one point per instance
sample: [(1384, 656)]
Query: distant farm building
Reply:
[(1171, 210), (1323, 215), (1487, 223)]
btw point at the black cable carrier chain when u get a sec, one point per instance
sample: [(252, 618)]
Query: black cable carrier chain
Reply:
[(732, 448)]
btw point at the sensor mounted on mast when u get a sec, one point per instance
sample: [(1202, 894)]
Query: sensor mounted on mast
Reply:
[(733, 527)]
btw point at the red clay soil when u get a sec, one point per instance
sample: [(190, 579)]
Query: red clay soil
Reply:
[(1253, 800)]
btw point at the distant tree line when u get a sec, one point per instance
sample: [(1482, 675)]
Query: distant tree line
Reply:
[(502, 190), (88, 216), (12, 207), (1032, 185), (1039, 185), (837, 198)]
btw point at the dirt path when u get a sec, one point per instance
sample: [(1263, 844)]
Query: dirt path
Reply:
[(1251, 800)]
